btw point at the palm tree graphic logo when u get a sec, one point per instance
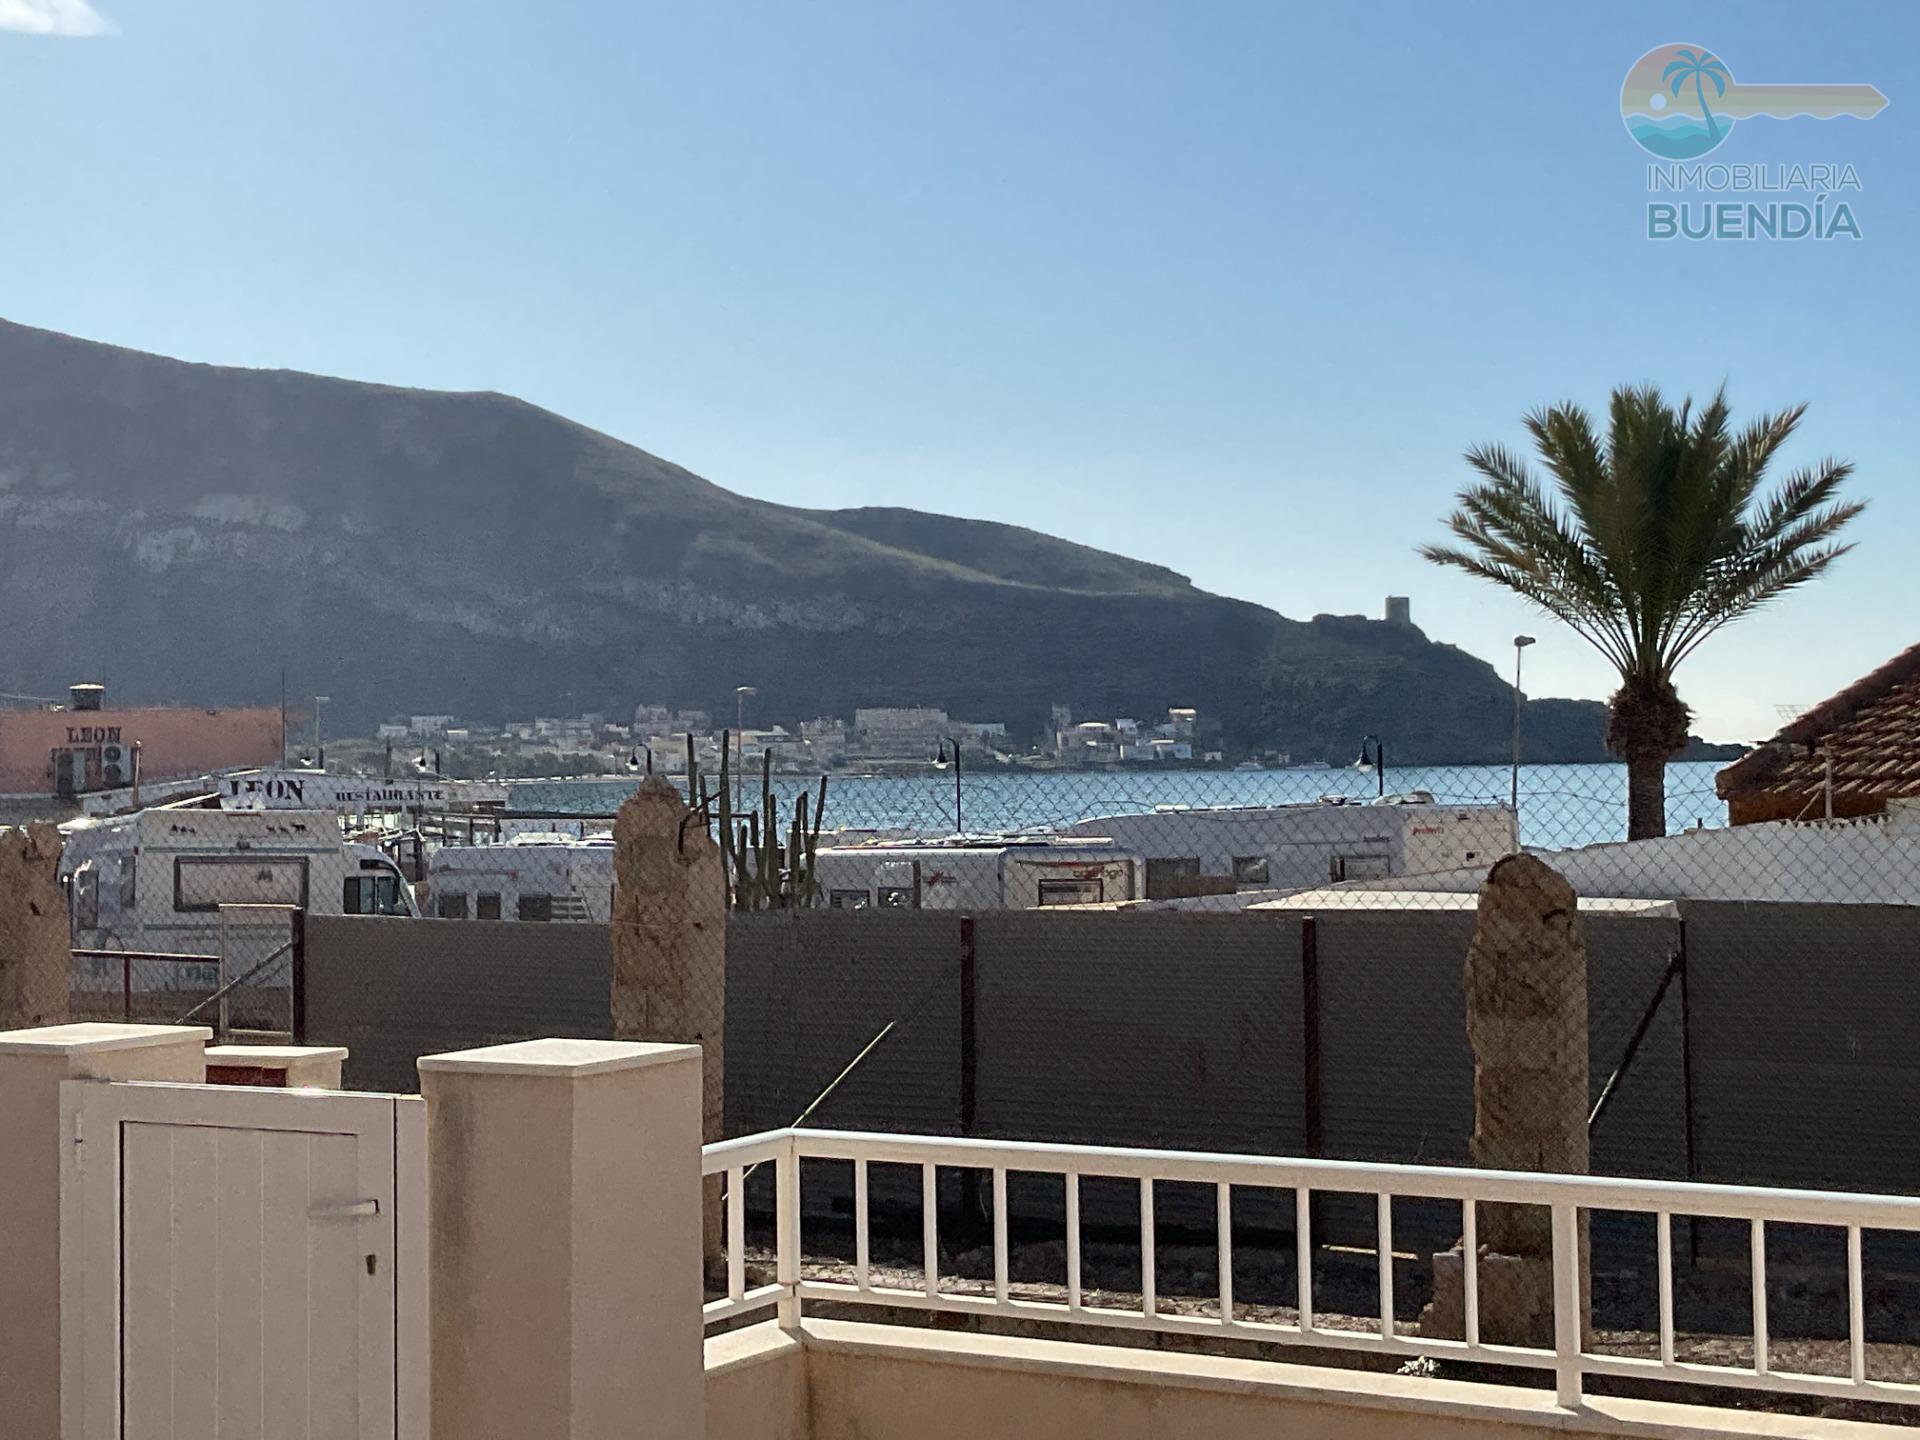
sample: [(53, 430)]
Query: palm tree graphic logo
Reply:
[(1681, 101), (1699, 66)]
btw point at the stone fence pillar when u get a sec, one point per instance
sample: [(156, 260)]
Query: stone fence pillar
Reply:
[(1526, 992), (670, 946), (35, 942)]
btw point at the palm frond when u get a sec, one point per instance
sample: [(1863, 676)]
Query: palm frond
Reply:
[(1788, 573), (1655, 535)]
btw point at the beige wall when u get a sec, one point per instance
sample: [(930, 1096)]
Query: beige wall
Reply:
[(32, 1065), (756, 1386), (878, 1382)]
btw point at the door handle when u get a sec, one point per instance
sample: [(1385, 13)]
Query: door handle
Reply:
[(352, 1210)]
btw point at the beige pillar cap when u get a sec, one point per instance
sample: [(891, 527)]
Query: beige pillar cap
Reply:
[(96, 1035), (559, 1058)]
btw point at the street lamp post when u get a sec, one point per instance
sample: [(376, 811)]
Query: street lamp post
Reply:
[(1379, 760), (740, 693), (959, 824), (1520, 643), (319, 750)]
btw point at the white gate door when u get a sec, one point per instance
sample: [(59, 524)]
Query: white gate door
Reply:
[(242, 1264)]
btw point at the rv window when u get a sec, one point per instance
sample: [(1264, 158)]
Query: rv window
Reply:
[(388, 899), (206, 882), (896, 897), (1250, 869), (536, 907), (849, 900), (371, 895), (1072, 892), (127, 899), (1360, 867), (452, 907), (1173, 877), (486, 907), (86, 898)]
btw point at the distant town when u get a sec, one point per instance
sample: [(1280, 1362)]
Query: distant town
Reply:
[(658, 737)]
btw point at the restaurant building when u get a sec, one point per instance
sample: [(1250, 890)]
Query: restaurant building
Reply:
[(67, 750)]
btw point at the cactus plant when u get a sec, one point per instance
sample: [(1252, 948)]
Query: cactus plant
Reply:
[(761, 872)]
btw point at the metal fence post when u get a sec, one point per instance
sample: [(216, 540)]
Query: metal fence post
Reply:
[(1686, 1090), (297, 976), (1311, 1118), (220, 1012), (973, 1183), (969, 1052), (1313, 1123), (1686, 1054)]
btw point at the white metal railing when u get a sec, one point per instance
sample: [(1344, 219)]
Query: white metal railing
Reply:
[(1565, 1197)]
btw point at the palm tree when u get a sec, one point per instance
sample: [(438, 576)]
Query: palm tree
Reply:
[(1698, 67), (1649, 541)]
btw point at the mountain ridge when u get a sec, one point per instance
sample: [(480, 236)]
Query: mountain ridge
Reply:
[(188, 529)]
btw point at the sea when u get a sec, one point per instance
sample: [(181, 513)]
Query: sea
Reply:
[(1560, 805)]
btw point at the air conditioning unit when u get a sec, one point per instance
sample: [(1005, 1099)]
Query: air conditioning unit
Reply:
[(116, 767)]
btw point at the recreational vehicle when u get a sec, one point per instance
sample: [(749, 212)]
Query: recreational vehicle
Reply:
[(532, 876), (186, 880), (556, 877), (991, 873), (1215, 850)]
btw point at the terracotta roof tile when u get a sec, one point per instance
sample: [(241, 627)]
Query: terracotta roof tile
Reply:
[(1871, 731)]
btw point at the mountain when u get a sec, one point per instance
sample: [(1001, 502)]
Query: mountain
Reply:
[(187, 532)]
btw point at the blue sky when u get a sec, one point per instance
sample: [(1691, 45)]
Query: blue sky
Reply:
[(1224, 286)]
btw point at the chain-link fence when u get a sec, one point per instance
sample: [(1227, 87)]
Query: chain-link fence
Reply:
[(1266, 962)]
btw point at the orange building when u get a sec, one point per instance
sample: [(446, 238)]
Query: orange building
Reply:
[(84, 746)]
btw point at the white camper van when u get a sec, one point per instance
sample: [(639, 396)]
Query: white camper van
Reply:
[(156, 880), (556, 877), (991, 873), (532, 876), (1214, 850)]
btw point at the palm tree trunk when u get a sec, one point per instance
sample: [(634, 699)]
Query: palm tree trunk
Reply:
[(1646, 795), (1706, 110), (1646, 727)]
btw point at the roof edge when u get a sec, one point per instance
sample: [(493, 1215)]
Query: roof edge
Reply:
[(1758, 767)]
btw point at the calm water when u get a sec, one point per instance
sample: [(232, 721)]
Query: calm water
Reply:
[(1560, 805)]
